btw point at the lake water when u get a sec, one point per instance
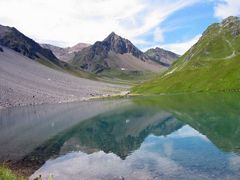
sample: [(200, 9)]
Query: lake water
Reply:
[(162, 137)]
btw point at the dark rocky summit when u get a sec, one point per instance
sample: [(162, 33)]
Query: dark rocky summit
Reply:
[(11, 38), (102, 54), (120, 45)]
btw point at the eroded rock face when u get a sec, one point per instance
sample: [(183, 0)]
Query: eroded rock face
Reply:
[(164, 57), (93, 57), (65, 54), (230, 21), (120, 45), (232, 24)]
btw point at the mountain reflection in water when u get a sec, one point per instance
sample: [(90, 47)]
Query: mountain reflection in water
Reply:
[(168, 137)]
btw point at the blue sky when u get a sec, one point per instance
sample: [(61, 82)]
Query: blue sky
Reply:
[(184, 25), (171, 24), (187, 23)]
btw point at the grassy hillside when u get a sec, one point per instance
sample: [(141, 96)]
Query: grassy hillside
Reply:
[(212, 64)]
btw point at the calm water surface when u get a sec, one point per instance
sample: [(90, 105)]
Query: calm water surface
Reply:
[(166, 137)]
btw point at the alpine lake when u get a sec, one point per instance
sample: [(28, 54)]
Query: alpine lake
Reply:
[(194, 136)]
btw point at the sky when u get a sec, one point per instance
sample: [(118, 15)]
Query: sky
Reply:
[(174, 25)]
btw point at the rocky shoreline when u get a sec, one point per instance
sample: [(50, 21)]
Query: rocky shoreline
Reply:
[(89, 98)]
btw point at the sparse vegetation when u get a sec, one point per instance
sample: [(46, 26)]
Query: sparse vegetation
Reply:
[(7, 174), (126, 77)]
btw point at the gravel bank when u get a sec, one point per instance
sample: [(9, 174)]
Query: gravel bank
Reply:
[(25, 82)]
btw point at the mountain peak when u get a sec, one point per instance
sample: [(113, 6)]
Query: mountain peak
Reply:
[(230, 19), (102, 50), (11, 38), (119, 45), (4, 30), (112, 36), (159, 49), (162, 56)]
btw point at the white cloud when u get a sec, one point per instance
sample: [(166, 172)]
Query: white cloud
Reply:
[(225, 8), (158, 35), (74, 21), (181, 47)]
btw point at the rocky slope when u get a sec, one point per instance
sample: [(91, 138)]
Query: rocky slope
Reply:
[(65, 54), (164, 57), (24, 82), (114, 52), (212, 64), (11, 38)]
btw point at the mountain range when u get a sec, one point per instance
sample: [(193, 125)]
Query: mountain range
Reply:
[(114, 53), (212, 64), (33, 73), (117, 53)]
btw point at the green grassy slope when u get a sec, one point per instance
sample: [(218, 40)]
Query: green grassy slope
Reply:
[(212, 64), (126, 77)]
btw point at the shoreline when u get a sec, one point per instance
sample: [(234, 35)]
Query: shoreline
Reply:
[(82, 99)]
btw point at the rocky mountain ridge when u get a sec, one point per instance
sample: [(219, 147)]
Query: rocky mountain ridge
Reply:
[(164, 57), (111, 54), (65, 54), (11, 38)]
